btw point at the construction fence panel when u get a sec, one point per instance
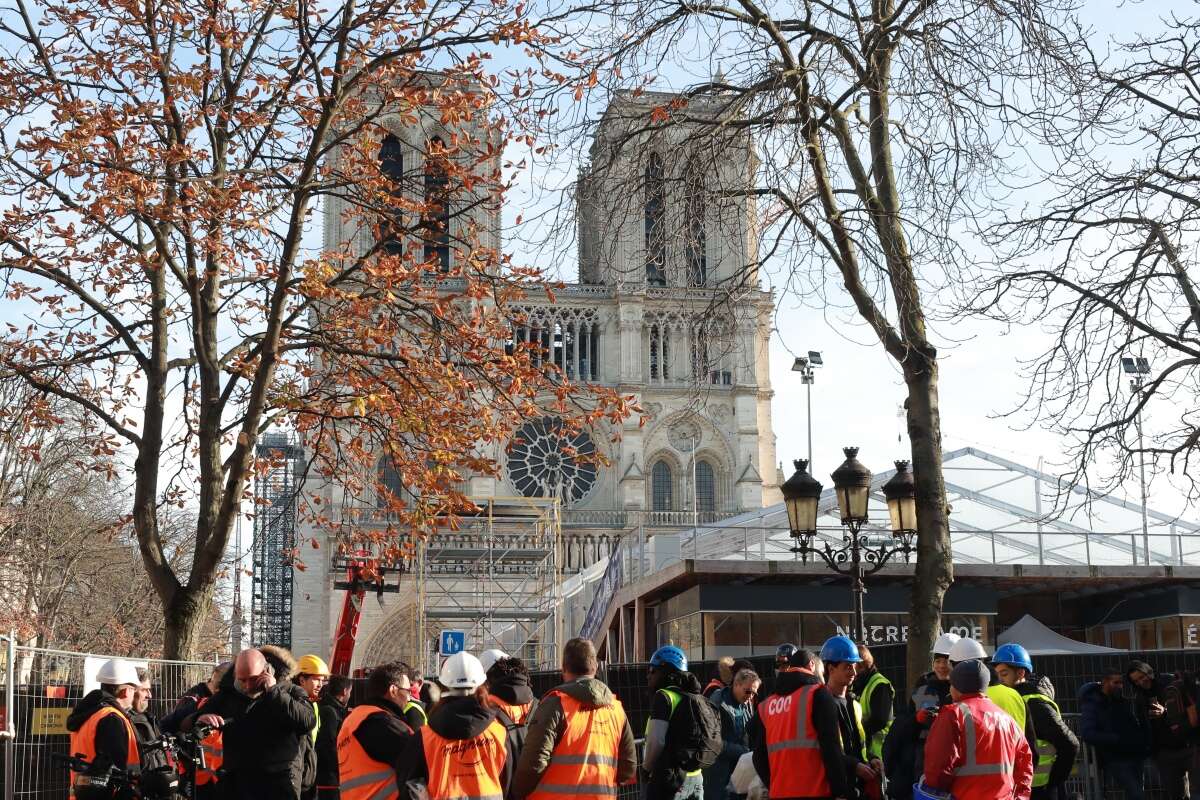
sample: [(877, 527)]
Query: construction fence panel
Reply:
[(41, 686)]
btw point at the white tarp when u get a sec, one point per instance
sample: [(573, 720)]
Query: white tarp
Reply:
[(1041, 641)]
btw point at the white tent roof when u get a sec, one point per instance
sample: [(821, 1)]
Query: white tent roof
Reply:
[(1041, 641)]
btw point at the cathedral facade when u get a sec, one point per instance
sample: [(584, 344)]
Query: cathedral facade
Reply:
[(667, 308)]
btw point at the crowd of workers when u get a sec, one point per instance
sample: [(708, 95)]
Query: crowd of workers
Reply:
[(973, 728)]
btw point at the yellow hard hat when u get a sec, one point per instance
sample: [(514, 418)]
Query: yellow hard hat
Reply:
[(312, 665)]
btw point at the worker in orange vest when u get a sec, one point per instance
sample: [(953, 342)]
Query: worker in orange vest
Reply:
[(579, 744), (795, 737), (975, 751), (102, 734), (510, 695), (463, 751), (374, 737)]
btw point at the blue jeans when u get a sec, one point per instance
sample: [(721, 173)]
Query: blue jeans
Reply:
[(1127, 775)]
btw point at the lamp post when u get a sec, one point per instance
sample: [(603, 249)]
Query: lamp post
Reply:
[(1138, 368), (806, 366), (855, 558)]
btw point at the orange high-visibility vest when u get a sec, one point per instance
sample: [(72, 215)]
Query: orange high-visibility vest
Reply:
[(465, 769), (793, 752), (516, 714), (214, 753), (83, 743), (990, 738), (362, 777), (583, 765)]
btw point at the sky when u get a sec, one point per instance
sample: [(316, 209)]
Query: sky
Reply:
[(859, 390)]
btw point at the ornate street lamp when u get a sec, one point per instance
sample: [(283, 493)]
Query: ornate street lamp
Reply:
[(901, 494), (852, 482), (801, 493), (855, 558)]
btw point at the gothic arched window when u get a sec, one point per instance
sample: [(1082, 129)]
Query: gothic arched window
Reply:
[(389, 486), (391, 168), (436, 217), (655, 217), (695, 255), (662, 489), (706, 488)]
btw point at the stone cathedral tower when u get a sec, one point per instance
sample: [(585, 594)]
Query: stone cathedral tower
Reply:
[(667, 307)]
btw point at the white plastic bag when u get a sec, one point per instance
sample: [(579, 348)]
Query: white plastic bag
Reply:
[(745, 780)]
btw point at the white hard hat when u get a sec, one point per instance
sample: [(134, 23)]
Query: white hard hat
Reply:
[(967, 649), (117, 672), (489, 657), (463, 673), (945, 642)]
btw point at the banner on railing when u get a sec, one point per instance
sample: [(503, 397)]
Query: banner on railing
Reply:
[(606, 592)]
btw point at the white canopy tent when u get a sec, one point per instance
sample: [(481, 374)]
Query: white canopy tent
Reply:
[(1041, 641)]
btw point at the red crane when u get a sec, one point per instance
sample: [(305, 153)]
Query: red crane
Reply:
[(362, 573)]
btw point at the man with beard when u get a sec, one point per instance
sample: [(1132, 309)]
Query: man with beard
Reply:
[(102, 734), (264, 744), (158, 778)]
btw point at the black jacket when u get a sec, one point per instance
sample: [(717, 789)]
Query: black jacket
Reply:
[(264, 738), (514, 690), (384, 736), (929, 691), (883, 703), (852, 743), (1049, 726), (825, 720), (112, 742), (1110, 725), (147, 732), (414, 714), (185, 707), (332, 714), (1170, 730), (458, 718), (904, 755)]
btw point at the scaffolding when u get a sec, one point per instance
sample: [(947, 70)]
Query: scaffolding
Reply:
[(497, 578), (274, 539)]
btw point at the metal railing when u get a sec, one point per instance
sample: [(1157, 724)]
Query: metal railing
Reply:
[(41, 686)]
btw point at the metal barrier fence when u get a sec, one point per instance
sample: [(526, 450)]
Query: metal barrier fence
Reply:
[(628, 683), (41, 686)]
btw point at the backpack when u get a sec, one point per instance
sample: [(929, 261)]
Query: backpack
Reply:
[(694, 733)]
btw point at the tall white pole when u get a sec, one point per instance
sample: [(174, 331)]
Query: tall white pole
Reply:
[(808, 385), (695, 498), (1142, 475)]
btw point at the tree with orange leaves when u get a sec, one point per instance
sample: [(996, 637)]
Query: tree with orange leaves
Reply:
[(162, 164)]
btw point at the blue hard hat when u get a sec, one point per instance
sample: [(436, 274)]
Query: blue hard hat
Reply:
[(840, 648), (1013, 654), (671, 656), (923, 792)]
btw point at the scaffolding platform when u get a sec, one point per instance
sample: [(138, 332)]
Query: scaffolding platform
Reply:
[(497, 578), (275, 495)]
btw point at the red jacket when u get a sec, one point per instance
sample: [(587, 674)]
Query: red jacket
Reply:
[(1003, 763)]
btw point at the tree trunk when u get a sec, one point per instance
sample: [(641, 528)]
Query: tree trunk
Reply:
[(935, 565), (183, 617)]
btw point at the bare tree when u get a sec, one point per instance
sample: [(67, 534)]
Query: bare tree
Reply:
[(160, 167), (70, 577), (1107, 264), (878, 127)]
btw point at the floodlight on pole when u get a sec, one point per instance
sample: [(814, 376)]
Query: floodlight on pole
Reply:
[(806, 366), (1138, 368)]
